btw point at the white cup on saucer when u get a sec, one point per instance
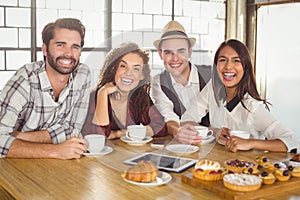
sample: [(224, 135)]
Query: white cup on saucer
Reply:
[(95, 142), (203, 132), (241, 134), (136, 132)]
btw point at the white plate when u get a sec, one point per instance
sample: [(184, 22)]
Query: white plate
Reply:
[(129, 141), (182, 148), (105, 150), (208, 140), (162, 178)]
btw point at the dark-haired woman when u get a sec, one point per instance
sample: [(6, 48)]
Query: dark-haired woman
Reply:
[(121, 97), (234, 103)]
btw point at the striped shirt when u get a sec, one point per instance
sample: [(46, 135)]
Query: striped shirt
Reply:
[(27, 104)]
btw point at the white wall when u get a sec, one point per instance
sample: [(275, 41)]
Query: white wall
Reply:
[(278, 53)]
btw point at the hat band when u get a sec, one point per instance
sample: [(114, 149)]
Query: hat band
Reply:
[(173, 33)]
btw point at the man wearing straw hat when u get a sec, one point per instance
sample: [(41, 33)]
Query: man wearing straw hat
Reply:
[(180, 81)]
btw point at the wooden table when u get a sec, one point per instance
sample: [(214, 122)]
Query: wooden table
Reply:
[(100, 177)]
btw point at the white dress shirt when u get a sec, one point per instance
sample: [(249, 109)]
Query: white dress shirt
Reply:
[(259, 122)]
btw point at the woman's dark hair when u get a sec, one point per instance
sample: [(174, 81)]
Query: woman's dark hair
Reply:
[(247, 83), (111, 64)]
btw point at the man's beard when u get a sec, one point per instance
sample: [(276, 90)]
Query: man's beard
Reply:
[(59, 69)]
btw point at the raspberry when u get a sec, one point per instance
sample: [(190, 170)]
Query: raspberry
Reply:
[(199, 170)]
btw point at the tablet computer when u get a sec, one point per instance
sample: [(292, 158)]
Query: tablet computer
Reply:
[(164, 162)]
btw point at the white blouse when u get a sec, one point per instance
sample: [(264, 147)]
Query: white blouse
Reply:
[(259, 122)]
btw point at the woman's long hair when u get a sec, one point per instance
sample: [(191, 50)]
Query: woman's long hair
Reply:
[(247, 83), (110, 66)]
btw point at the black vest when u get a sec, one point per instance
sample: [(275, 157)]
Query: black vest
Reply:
[(204, 75)]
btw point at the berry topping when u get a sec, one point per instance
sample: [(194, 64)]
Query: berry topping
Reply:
[(199, 170), (250, 170), (277, 165), (264, 174), (285, 173), (264, 159), (290, 168), (240, 163)]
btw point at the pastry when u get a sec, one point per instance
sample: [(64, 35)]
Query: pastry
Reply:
[(267, 178), (295, 160), (242, 182), (238, 166), (271, 168), (143, 171), (209, 170), (251, 171), (282, 174), (295, 171), (262, 161)]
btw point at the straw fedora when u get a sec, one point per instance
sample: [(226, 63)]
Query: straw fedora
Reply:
[(173, 29)]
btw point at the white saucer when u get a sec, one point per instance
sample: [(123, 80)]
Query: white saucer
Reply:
[(221, 142), (129, 141), (182, 148), (207, 140), (162, 178), (105, 150)]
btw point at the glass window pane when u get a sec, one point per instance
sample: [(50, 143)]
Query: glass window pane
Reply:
[(12, 34), (2, 64), (16, 59), (18, 17), (24, 38)]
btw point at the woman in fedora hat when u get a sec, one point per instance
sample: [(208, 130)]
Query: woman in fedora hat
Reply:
[(121, 97), (181, 80)]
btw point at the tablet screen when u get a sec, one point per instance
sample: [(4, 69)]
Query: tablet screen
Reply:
[(164, 162)]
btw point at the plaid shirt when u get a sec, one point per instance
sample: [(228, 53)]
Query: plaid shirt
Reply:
[(150, 116), (27, 104)]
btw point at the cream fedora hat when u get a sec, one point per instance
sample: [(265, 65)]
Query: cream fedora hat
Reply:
[(173, 29)]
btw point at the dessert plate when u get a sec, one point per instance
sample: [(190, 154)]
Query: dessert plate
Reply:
[(182, 148), (207, 140), (131, 142), (162, 178), (105, 150)]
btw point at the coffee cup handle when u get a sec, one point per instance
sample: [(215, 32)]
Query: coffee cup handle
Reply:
[(209, 133), (127, 134)]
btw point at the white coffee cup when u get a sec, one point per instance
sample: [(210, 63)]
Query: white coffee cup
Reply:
[(136, 132), (96, 142), (203, 131), (241, 134)]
